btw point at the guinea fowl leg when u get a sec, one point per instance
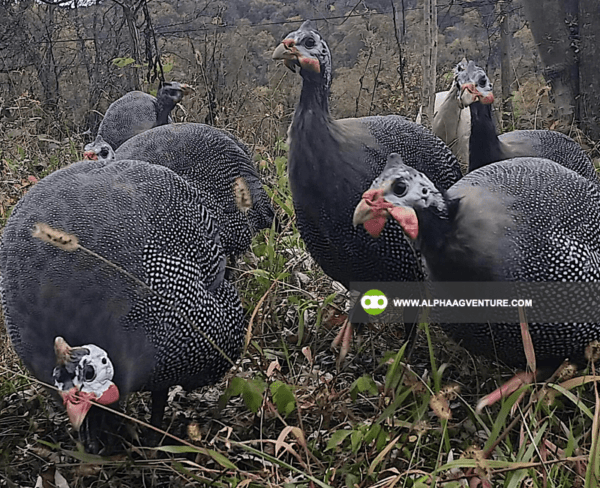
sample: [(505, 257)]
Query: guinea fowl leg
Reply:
[(159, 402), (343, 339)]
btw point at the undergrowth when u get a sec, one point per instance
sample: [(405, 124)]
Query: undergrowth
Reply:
[(286, 416)]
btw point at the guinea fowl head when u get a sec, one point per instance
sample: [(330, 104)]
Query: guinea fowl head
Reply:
[(474, 84), (399, 191), (83, 374), (173, 91), (306, 49), (99, 150)]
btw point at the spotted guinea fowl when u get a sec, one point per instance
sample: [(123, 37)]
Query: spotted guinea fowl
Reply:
[(137, 112), (486, 147), (99, 150), (526, 220), (97, 333), (218, 165), (331, 162)]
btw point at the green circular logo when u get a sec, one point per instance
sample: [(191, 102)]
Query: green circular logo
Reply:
[(374, 302)]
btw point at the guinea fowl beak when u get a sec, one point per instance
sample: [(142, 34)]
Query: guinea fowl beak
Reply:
[(91, 155), (187, 89), (373, 211), (470, 94), (292, 57)]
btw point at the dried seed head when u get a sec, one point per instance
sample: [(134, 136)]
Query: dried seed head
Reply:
[(194, 433), (421, 427), (243, 198), (592, 352), (450, 392), (439, 405), (565, 371), (548, 396), (58, 238)]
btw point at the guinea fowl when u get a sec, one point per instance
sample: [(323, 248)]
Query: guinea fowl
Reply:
[(332, 162), (75, 321), (99, 150), (137, 112), (219, 165), (486, 147), (526, 220)]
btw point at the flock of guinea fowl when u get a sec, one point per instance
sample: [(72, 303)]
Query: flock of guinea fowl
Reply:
[(113, 269)]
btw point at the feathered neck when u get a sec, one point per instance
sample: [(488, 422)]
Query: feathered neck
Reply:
[(435, 225), (164, 105), (314, 96), (484, 145)]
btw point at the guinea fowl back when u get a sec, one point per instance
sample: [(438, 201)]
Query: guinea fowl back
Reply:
[(136, 112), (552, 145), (151, 223), (133, 113), (219, 167)]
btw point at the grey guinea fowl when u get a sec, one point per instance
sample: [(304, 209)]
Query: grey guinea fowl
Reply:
[(486, 147), (137, 112), (527, 219), (220, 167), (332, 162), (150, 222)]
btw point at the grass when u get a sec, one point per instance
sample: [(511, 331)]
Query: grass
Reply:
[(287, 417)]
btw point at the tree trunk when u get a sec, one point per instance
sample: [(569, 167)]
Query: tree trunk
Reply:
[(133, 73), (550, 22), (589, 22), (429, 61), (506, 34)]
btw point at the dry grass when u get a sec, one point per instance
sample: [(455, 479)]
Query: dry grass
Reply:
[(370, 424)]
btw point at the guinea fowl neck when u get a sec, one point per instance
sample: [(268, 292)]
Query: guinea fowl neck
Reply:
[(163, 109), (314, 143), (440, 244), (435, 225), (314, 96), (484, 145)]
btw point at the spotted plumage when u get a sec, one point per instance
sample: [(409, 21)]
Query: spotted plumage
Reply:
[(136, 112), (331, 162), (219, 166), (150, 222), (527, 220), (486, 147)]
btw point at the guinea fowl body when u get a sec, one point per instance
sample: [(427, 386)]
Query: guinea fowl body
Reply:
[(525, 220), (331, 162), (151, 223), (136, 112), (220, 167), (486, 147)]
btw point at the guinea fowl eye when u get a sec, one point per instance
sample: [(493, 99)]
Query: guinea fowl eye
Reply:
[(104, 153), (309, 42), (482, 81), (89, 373), (399, 188)]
